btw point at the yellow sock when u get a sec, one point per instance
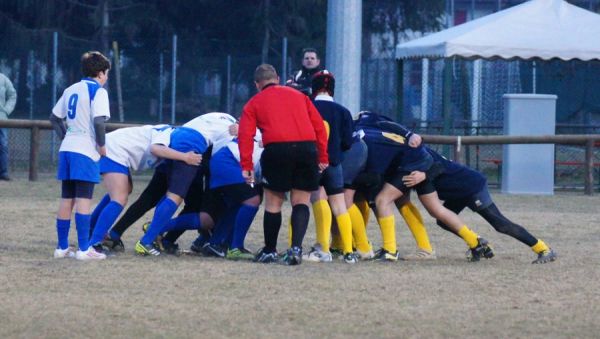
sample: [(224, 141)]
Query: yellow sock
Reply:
[(345, 228), (414, 220), (365, 210), (468, 236), (322, 213), (359, 230), (388, 233), (540, 247)]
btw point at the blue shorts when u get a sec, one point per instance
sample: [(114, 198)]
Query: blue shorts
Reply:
[(184, 139), (332, 179), (76, 166), (108, 165), (180, 177), (355, 161)]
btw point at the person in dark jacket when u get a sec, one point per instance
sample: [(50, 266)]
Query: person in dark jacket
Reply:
[(302, 78)]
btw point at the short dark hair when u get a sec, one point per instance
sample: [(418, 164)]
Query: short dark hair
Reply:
[(310, 50), (265, 72), (94, 62)]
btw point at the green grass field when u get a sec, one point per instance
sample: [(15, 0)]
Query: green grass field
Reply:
[(129, 296)]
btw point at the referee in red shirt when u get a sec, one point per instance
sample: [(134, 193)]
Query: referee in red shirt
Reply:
[(295, 152)]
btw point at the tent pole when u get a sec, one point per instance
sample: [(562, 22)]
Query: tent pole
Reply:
[(447, 100), (534, 77), (424, 91)]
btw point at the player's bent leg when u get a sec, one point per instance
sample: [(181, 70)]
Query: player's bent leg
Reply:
[(117, 185), (411, 215), (385, 217), (478, 246), (503, 225)]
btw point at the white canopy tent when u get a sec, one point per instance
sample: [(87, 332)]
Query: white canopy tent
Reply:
[(543, 29), (537, 29)]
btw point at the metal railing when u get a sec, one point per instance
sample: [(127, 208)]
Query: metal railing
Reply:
[(589, 141)]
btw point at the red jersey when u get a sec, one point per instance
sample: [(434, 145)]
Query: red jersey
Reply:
[(282, 114)]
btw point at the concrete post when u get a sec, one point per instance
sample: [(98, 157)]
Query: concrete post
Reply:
[(344, 35)]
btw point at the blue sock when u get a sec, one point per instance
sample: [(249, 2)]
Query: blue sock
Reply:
[(163, 212), (96, 213), (109, 215), (222, 230), (82, 223), (114, 235), (188, 221), (243, 221), (62, 230)]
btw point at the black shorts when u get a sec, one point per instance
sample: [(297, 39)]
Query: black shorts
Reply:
[(332, 179), (213, 204), (181, 176), (475, 202), (368, 185), (290, 165), (235, 194), (395, 179), (77, 189)]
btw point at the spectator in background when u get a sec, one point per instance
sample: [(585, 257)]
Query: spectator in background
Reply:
[(302, 79), (8, 99)]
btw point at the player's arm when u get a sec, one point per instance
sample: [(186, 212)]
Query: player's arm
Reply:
[(246, 133), (347, 130), (165, 152), (319, 127), (416, 177), (57, 118), (414, 140), (58, 125), (101, 113)]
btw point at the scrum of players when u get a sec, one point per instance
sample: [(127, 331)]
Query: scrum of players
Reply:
[(221, 170)]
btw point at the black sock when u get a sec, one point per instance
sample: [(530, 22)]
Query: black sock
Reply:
[(503, 225), (271, 224), (300, 216)]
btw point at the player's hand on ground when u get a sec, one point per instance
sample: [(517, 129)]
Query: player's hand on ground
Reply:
[(413, 179), (323, 166), (102, 150), (249, 177), (415, 140), (192, 158), (234, 129)]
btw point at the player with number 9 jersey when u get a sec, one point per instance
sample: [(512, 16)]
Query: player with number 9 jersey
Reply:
[(79, 105)]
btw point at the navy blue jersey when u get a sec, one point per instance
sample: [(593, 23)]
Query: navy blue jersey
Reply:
[(388, 145), (340, 128), (456, 181)]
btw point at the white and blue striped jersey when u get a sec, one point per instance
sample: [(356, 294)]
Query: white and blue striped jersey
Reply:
[(214, 127), (80, 104), (130, 146)]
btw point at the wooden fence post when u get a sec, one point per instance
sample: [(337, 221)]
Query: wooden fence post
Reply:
[(589, 167), (34, 150), (458, 150)]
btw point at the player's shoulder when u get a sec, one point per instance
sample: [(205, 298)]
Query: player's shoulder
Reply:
[(218, 117)]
